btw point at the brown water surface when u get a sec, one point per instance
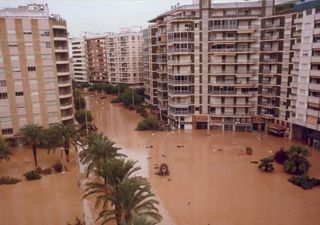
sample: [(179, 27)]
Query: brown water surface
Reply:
[(53, 200), (211, 179)]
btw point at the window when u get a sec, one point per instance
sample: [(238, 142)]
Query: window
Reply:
[(48, 45), (30, 57), (31, 68), (7, 131), (44, 33), (3, 83), (19, 93), (16, 70), (11, 31), (13, 45), (3, 95), (27, 32), (14, 57), (309, 12)]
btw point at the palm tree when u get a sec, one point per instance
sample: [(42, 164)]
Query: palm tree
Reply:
[(31, 134), (141, 220), (297, 164), (67, 135), (266, 164), (131, 198), (5, 152), (99, 149)]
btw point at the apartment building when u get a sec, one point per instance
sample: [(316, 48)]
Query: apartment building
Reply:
[(96, 51), (78, 60), (124, 57), (234, 66), (35, 85)]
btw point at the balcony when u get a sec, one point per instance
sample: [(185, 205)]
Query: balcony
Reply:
[(67, 105), (180, 61), (233, 50), (269, 94), (64, 83), (314, 86), (315, 73), (180, 82), (61, 49), (162, 80), (63, 73), (223, 27), (178, 40), (315, 59), (230, 61), (180, 50), (180, 103), (65, 94), (179, 112), (180, 92)]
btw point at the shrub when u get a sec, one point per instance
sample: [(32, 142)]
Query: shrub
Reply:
[(249, 150), (281, 156), (304, 182), (9, 180), (79, 103), (148, 123), (297, 166), (266, 164), (115, 100), (47, 171), (81, 115), (32, 175), (57, 167)]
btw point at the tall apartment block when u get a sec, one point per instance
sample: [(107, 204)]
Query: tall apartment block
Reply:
[(96, 50), (235, 66), (115, 57), (35, 84), (124, 57), (79, 60)]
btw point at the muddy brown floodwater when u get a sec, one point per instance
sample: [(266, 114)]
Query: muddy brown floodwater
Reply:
[(53, 200), (212, 181)]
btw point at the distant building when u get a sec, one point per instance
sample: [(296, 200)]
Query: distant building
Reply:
[(79, 60), (35, 85), (115, 57), (96, 50), (124, 57)]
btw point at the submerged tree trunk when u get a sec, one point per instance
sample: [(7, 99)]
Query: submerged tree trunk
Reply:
[(67, 150), (34, 152)]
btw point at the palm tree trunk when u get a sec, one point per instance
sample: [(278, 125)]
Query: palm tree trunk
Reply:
[(67, 150), (118, 214), (34, 152)]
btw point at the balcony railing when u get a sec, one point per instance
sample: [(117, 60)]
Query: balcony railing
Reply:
[(180, 92), (182, 50)]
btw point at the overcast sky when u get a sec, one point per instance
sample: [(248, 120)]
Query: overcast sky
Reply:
[(99, 16)]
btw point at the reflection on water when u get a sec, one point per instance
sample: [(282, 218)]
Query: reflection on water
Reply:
[(211, 179)]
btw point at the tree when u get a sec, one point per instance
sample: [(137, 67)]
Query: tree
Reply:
[(113, 172), (130, 97), (99, 149), (81, 115), (31, 134), (141, 220), (79, 103), (133, 197), (5, 152), (266, 164), (297, 164), (66, 135)]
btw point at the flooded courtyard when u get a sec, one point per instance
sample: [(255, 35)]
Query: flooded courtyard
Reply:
[(212, 181)]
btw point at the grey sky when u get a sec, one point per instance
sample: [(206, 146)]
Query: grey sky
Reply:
[(98, 16)]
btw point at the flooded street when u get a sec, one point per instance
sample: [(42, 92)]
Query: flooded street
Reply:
[(211, 182), (211, 179), (53, 200)]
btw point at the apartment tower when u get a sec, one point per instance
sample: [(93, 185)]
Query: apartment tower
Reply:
[(96, 50), (235, 66), (35, 85), (124, 57), (79, 60)]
